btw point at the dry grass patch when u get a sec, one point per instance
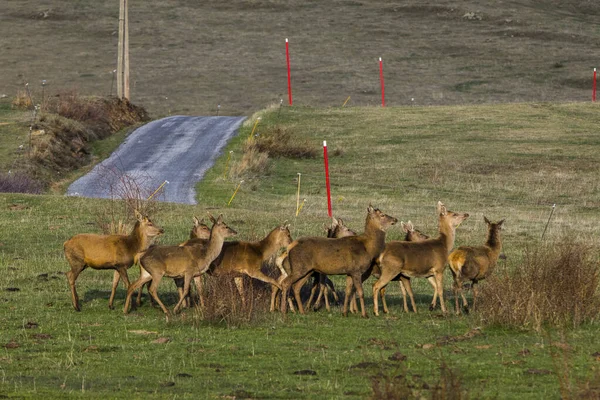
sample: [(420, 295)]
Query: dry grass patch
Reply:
[(555, 284)]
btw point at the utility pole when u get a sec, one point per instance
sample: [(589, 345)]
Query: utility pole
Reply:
[(123, 52)]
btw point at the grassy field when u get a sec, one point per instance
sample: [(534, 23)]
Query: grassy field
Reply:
[(502, 161), (188, 56)]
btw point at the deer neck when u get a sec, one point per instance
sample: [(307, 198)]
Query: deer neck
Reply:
[(137, 240), (375, 239), (447, 234), (215, 245), (268, 246), (494, 242)]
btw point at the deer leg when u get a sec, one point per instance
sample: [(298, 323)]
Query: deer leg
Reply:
[(325, 290), (408, 287), (274, 290), (329, 283), (439, 281), (382, 282), (350, 289), (144, 278), (403, 290), (297, 287), (122, 272), (313, 290), (184, 295), (154, 292), (239, 284), (285, 290), (356, 279), (76, 267), (457, 289), (115, 283), (262, 277)]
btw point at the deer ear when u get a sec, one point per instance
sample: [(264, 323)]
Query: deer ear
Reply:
[(487, 221), (196, 221), (499, 224), (220, 219), (334, 221), (138, 215), (404, 226), (441, 208), (212, 219), (410, 226), (370, 209)]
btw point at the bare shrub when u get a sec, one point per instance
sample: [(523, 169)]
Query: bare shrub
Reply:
[(253, 163), (20, 182), (22, 101), (225, 305), (102, 116), (556, 284), (279, 142)]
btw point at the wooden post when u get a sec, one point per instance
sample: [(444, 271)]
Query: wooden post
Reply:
[(120, 49), (126, 53)]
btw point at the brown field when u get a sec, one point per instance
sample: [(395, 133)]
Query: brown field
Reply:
[(189, 56)]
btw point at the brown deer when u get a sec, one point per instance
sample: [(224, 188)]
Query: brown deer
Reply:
[(246, 258), (178, 262), (425, 259), (116, 252), (351, 256), (337, 229), (412, 235), (199, 231), (475, 263)]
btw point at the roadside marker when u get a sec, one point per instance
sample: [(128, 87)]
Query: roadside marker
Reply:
[(382, 83), (289, 76), (327, 178)]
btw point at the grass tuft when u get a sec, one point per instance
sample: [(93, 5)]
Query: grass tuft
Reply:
[(556, 284)]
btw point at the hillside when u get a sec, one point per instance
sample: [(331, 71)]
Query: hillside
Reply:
[(189, 56)]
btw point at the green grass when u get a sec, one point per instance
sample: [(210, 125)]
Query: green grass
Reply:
[(504, 161)]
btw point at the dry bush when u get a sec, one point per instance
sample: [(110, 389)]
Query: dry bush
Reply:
[(278, 142), (102, 116), (19, 182), (556, 284), (22, 101), (223, 303), (253, 163)]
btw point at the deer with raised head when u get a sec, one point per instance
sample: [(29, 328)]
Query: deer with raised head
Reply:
[(337, 229), (116, 252), (425, 259), (199, 231), (351, 256), (475, 263), (412, 235), (179, 262)]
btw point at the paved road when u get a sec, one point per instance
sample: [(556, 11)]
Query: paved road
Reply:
[(175, 149)]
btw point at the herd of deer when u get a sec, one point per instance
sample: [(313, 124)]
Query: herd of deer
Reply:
[(342, 252)]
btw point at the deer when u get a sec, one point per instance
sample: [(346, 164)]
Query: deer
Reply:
[(116, 252), (246, 258), (412, 235), (425, 259), (199, 231), (179, 262), (475, 263), (337, 229), (351, 256)]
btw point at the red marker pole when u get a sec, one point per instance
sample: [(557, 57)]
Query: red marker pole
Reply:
[(287, 57), (594, 87), (327, 178), (382, 84)]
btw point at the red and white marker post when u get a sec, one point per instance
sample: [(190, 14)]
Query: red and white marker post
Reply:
[(327, 178), (594, 87), (382, 83), (287, 57)]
